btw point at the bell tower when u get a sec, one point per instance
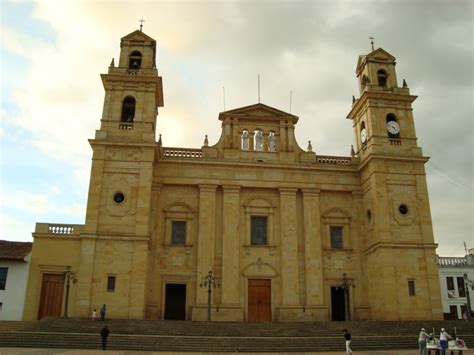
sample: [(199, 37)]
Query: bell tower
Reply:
[(117, 228), (382, 116), (398, 243)]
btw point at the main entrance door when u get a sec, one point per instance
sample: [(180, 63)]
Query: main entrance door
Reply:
[(175, 301), (260, 301), (338, 306), (51, 299)]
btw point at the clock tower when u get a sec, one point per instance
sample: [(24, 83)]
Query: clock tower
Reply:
[(399, 243)]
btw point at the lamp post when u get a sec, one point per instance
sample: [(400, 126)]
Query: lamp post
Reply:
[(468, 283), (345, 285), (68, 275), (210, 282)]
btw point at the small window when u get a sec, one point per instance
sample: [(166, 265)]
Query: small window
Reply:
[(111, 284), (119, 197), (128, 109), (461, 289), (390, 117), (178, 232), (403, 209), (336, 237), (411, 287), (259, 230), (3, 277), (135, 60), (382, 77), (450, 283)]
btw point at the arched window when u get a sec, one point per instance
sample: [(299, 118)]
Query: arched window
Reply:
[(245, 140), (128, 109), (391, 117), (271, 142), (258, 140), (382, 77), (135, 61)]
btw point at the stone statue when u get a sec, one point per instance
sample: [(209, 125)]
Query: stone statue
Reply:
[(245, 140), (271, 142), (259, 141)]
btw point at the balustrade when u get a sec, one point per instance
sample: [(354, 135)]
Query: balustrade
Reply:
[(61, 229), (333, 160), (182, 153)]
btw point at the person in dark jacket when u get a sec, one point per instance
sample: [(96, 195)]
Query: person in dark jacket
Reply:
[(102, 310), (347, 336), (104, 333)]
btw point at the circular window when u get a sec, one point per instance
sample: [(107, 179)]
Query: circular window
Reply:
[(369, 215), (403, 209), (119, 197)]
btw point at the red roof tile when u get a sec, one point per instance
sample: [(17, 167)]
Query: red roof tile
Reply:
[(14, 251)]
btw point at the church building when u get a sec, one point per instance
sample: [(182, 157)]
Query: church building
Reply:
[(252, 228)]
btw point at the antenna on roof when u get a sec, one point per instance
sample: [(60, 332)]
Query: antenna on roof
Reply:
[(465, 248), (372, 41), (223, 94), (291, 95), (258, 84), (141, 23)]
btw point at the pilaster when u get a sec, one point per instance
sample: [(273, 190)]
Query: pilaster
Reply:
[(313, 252), (206, 236), (136, 306), (84, 277), (289, 248), (230, 246)]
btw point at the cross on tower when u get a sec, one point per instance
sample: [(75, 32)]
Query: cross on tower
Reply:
[(141, 23), (372, 41)]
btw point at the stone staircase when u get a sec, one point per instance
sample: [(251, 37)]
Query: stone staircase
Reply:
[(146, 335)]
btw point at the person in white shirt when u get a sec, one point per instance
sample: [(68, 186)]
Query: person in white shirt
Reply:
[(443, 339)]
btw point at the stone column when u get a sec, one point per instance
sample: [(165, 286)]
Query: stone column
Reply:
[(312, 254), (289, 248), (153, 291), (230, 247), (84, 277), (207, 228), (136, 306)]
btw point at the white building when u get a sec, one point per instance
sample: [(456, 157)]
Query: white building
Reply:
[(455, 288), (14, 264)]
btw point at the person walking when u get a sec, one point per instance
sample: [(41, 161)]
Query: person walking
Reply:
[(443, 339), (104, 333), (422, 341), (102, 310), (348, 337)]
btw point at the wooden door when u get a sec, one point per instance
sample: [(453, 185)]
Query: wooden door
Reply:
[(52, 290), (259, 301)]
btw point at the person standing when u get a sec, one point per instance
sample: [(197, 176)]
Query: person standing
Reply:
[(443, 339), (104, 333), (347, 336), (94, 314), (422, 341), (102, 310)]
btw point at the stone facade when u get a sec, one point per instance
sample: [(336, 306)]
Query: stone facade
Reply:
[(277, 225)]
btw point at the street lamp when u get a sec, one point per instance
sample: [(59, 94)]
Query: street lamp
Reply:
[(468, 283), (345, 285), (210, 282), (68, 276)]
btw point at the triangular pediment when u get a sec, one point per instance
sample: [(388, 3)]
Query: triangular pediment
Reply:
[(381, 54), (377, 54), (137, 36), (258, 111)]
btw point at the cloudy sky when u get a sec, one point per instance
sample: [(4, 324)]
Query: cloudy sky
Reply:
[(52, 53)]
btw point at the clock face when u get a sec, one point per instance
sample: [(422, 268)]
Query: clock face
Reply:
[(393, 127), (363, 135)]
